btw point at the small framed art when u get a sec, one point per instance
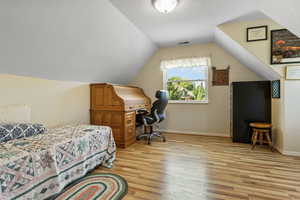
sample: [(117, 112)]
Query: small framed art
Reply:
[(292, 72), (257, 33), (220, 76), (276, 89)]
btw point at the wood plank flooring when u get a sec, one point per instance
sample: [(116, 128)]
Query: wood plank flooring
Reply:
[(189, 167)]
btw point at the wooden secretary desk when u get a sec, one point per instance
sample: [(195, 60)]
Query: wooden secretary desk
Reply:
[(115, 106)]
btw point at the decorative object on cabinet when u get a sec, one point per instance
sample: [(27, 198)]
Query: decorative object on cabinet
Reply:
[(116, 106), (220, 76), (285, 47), (257, 33)]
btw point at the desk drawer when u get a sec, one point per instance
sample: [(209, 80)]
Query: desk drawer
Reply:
[(130, 119), (130, 132)]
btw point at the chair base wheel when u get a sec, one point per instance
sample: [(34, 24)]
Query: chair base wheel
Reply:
[(148, 137)]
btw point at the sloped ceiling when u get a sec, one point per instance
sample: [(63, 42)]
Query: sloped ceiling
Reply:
[(195, 20), (109, 41), (256, 56), (284, 12), (244, 56), (80, 40), (192, 20)]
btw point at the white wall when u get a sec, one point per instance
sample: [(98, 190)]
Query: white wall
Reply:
[(292, 95), (53, 103), (80, 40), (212, 118), (292, 125)]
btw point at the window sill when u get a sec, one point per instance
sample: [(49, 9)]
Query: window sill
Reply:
[(188, 102)]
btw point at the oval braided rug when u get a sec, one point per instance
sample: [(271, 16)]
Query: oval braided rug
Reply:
[(95, 187)]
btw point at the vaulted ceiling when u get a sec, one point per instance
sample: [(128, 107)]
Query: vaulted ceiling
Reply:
[(110, 40), (196, 20)]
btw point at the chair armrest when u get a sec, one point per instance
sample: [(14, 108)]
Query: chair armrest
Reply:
[(142, 112)]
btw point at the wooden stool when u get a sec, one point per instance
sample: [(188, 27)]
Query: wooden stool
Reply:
[(262, 132)]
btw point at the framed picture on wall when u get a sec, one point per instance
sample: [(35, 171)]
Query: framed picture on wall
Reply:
[(285, 47), (257, 33), (292, 72)]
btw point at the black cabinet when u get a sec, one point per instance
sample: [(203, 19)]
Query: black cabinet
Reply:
[(251, 102)]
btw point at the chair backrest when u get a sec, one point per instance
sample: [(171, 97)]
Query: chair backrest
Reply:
[(159, 106)]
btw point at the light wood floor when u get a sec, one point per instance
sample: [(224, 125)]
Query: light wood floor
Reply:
[(206, 168)]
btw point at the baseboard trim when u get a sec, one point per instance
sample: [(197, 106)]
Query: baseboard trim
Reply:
[(278, 149), (194, 133), (291, 153), (287, 153)]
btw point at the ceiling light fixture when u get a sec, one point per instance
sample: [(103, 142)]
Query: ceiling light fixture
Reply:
[(165, 6)]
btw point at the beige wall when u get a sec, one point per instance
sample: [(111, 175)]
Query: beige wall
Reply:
[(212, 118), (278, 119), (285, 110), (52, 102), (262, 49)]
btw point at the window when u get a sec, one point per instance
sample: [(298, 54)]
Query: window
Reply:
[(186, 80)]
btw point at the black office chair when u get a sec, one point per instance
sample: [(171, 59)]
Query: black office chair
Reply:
[(156, 116)]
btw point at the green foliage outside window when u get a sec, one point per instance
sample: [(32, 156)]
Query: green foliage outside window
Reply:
[(180, 89)]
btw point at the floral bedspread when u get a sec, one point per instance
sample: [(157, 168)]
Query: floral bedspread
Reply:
[(37, 167)]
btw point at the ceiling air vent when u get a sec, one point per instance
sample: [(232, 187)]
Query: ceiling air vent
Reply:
[(184, 43)]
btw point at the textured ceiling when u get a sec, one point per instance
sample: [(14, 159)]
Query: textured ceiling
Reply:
[(196, 20)]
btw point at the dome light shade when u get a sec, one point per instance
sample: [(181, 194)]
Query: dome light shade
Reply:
[(165, 6)]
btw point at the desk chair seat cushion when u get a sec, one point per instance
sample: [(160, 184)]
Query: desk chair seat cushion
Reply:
[(149, 119), (140, 120)]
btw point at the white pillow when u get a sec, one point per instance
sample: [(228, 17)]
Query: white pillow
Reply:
[(15, 114)]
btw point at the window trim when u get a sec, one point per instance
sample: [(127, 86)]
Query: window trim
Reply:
[(188, 102), (165, 82)]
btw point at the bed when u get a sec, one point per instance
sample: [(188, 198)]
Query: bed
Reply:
[(40, 166)]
